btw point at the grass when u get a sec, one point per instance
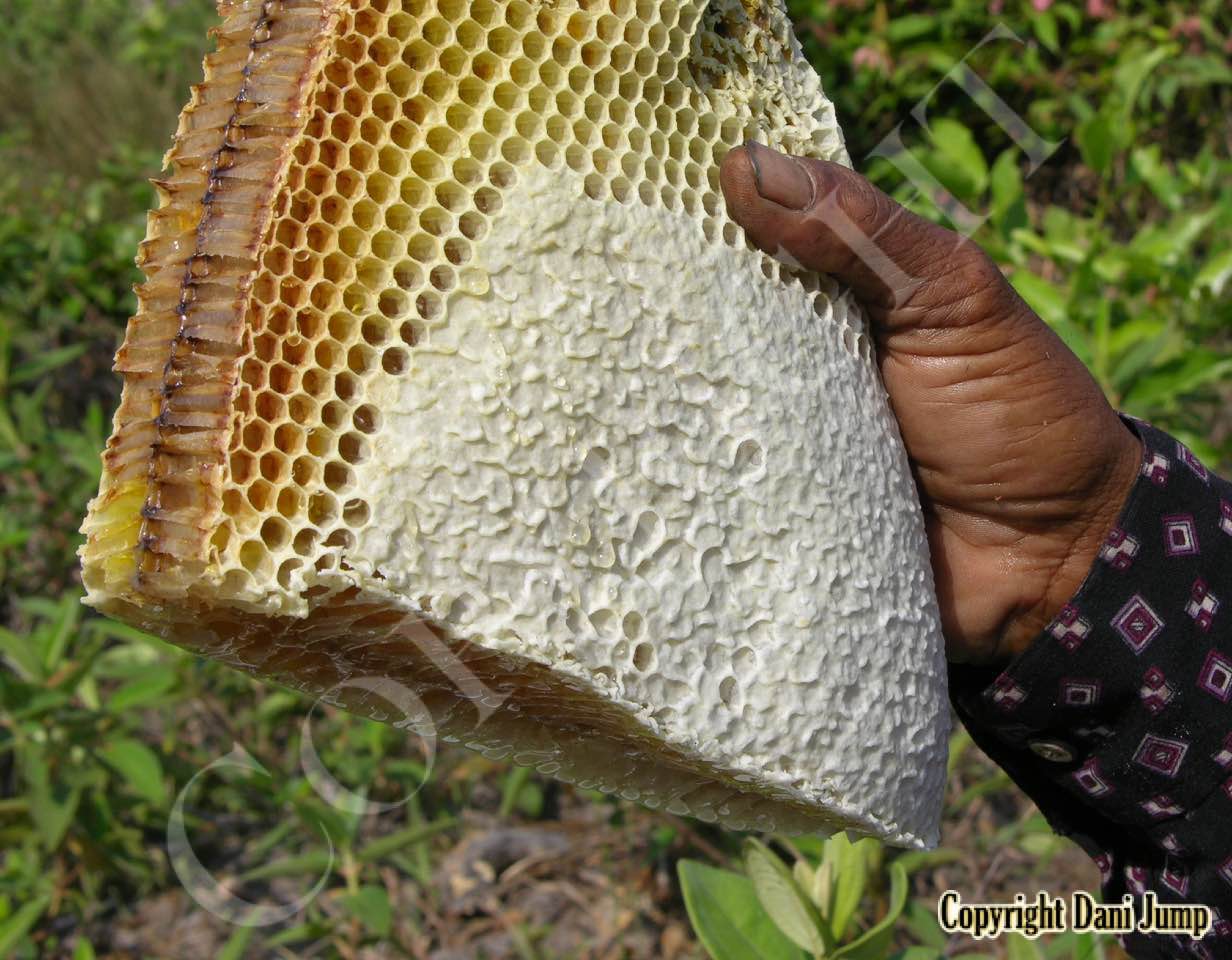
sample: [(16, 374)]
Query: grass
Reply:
[(1122, 240)]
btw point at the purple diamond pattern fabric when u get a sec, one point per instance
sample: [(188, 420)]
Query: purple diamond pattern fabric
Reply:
[(1134, 678)]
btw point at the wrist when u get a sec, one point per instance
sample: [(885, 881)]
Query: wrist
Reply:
[(1079, 544)]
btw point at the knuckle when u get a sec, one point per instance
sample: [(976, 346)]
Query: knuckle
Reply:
[(987, 290), (866, 206)]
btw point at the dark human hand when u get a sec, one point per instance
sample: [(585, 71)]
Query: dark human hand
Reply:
[(1021, 464)]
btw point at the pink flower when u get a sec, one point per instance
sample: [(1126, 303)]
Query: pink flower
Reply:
[(1100, 9), (870, 58), (1190, 27), (1041, 5), (995, 7)]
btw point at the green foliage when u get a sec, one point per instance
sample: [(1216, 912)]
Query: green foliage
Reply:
[(791, 909), (727, 915), (73, 195), (1122, 240), (84, 82), (828, 902), (84, 776), (95, 740), (814, 906)]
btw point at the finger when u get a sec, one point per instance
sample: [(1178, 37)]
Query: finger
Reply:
[(826, 217)]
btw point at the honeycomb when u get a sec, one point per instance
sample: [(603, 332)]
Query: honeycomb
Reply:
[(450, 367)]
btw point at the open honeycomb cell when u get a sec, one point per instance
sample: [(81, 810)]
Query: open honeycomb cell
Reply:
[(450, 369)]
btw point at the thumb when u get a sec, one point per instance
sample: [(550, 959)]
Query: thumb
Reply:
[(825, 217)]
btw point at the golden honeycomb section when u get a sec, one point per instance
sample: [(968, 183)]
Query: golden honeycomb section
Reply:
[(166, 454), (420, 121)]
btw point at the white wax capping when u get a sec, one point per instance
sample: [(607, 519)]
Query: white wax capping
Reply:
[(640, 462)]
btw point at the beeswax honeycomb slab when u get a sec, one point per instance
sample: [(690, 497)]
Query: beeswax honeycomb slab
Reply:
[(448, 353)]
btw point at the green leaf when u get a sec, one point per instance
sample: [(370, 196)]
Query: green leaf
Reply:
[(312, 931), (910, 27), (876, 939), (727, 917), (84, 950), (1051, 304), (315, 862), (1165, 244), (1018, 947), (1044, 25), (1132, 72), (922, 924), (335, 823), (1095, 141), (849, 879), (371, 905), (236, 944), (811, 845), (46, 362), (1053, 246), (812, 882), (14, 929), (139, 766), (1186, 374), (277, 702), (379, 849), (1204, 70), (958, 144), (22, 655), (1041, 845), (1069, 944), (62, 619), (53, 802), (531, 800), (1008, 198), (1148, 165), (1101, 334), (1137, 346), (143, 690), (914, 860), (515, 779), (783, 900), (1045, 298), (1214, 275)]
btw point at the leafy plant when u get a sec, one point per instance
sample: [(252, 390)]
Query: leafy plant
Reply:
[(728, 917), (807, 910)]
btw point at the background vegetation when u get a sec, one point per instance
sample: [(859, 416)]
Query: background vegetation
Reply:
[(1122, 240)]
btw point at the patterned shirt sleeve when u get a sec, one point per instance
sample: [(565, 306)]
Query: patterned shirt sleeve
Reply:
[(1117, 720)]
